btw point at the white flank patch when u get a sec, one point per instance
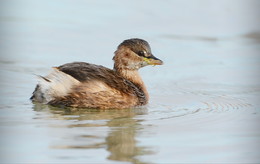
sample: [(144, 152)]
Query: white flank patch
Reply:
[(60, 84)]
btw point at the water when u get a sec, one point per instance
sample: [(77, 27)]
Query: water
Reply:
[(204, 103)]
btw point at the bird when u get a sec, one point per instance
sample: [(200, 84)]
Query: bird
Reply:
[(85, 85)]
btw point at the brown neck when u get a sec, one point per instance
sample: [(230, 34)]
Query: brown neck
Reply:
[(135, 78), (129, 70)]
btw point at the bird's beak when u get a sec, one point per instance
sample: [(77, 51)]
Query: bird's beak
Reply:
[(152, 60)]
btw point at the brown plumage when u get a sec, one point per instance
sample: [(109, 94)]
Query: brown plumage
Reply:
[(87, 85)]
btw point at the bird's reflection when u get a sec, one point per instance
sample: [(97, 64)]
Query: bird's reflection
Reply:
[(122, 143), (120, 140)]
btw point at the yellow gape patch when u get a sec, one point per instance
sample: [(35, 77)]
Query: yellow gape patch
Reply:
[(148, 61)]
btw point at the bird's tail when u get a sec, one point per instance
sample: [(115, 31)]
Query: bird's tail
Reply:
[(56, 84)]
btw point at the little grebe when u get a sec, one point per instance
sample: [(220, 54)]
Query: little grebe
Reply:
[(87, 85)]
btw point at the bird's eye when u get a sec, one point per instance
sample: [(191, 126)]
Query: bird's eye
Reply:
[(142, 53)]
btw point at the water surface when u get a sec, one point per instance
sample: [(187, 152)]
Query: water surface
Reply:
[(204, 102)]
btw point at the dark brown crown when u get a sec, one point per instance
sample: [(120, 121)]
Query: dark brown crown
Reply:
[(139, 46)]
